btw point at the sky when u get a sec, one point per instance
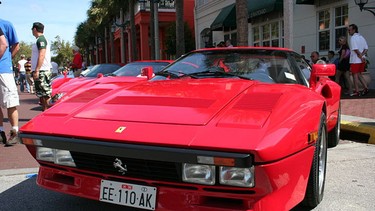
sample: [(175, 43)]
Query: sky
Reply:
[(60, 17)]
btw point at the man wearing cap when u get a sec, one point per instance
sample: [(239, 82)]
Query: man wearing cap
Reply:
[(22, 76), (41, 65)]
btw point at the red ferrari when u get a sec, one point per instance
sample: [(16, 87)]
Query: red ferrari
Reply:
[(95, 76), (219, 129)]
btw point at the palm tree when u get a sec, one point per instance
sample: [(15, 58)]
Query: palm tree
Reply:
[(242, 24), (152, 28), (180, 39), (132, 31)]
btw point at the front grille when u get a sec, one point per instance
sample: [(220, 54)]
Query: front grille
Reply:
[(136, 168)]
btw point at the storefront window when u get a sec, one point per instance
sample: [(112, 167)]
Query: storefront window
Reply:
[(336, 29), (268, 35), (324, 21)]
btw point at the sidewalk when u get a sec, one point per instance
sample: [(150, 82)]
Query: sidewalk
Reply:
[(358, 114)]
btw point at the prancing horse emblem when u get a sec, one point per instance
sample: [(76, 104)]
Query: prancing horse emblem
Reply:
[(118, 165)]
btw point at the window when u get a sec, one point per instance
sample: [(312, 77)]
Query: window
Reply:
[(268, 35), (324, 33), (341, 23), (326, 29)]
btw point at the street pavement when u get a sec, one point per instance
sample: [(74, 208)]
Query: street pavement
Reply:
[(358, 117)]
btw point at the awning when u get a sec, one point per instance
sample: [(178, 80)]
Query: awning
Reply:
[(257, 8), (305, 2), (226, 18)]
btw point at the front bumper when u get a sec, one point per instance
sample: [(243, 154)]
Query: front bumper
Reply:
[(279, 186)]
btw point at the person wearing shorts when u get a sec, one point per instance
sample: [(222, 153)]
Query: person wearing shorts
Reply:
[(357, 59), (9, 98), (41, 65)]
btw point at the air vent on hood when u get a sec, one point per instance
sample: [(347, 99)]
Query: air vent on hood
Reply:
[(87, 96), (258, 101), (162, 101)]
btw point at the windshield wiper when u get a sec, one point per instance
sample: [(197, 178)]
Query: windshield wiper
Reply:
[(216, 72), (171, 73)]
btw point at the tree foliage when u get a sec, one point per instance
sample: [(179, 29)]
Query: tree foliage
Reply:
[(25, 49), (170, 40), (62, 50)]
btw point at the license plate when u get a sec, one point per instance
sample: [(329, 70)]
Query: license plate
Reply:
[(127, 194)]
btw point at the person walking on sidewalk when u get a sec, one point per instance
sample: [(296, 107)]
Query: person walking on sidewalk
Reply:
[(357, 60), (343, 67), (41, 65), (8, 89), (22, 74), (29, 77), (76, 64)]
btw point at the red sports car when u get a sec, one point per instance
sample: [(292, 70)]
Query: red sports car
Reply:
[(219, 129), (131, 69)]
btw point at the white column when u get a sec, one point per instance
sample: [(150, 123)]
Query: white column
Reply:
[(288, 24)]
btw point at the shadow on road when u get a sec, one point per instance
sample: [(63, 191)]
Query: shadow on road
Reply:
[(27, 195)]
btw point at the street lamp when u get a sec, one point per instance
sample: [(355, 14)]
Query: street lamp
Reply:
[(362, 3), (142, 5)]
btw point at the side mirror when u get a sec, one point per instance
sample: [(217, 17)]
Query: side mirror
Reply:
[(319, 70), (147, 72), (65, 73), (100, 75)]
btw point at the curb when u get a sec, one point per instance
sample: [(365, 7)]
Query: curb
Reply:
[(360, 128), (29, 172)]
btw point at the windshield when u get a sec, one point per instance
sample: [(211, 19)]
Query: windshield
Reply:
[(134, 69), (102, 68), (266, 65)]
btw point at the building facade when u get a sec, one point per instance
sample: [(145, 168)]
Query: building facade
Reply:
[(302, 25)]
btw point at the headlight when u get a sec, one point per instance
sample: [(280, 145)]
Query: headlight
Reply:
[(201, 174), (242, 177), (57, 156), (63, 157), (44, 153)]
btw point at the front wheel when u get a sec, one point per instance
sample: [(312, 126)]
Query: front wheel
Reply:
[(334, 135), (315, 186)]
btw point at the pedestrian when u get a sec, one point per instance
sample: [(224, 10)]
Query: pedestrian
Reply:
[(228, 43), (29, 77), (41, 65), (8, 88), (22, 74), (76, 64), (357, 59), (55, 69), (221, 44), (332, 59), (343, 67), (315, 58), (3, 43)]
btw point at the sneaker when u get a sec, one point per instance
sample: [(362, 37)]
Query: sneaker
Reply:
[(354, 94), (13, 138), (3, 137), (364, 92)]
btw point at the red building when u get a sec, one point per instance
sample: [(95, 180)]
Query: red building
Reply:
[(166, 16)]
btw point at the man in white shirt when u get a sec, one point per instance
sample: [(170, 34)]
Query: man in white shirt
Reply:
[(359, 47), (22, 74)]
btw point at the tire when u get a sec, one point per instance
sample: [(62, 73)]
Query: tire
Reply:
[(316, 182), (334, 134)]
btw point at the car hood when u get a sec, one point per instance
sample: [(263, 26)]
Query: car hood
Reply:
[(225, 114)]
